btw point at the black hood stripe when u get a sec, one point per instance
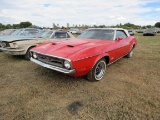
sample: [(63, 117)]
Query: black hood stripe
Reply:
[(18, 40)]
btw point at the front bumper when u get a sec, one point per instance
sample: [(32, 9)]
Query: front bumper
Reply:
[(73, 71)]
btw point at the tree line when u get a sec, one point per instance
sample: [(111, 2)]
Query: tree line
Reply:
[(56, 26), (15, 26)]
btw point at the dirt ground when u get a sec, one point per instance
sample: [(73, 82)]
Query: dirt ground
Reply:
[(130, 89)]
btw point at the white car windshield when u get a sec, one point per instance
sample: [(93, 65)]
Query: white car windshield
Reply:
[(98, 34)]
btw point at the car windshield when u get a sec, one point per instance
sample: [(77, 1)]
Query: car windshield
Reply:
[(16, 32), (45, 34), (98, 34)]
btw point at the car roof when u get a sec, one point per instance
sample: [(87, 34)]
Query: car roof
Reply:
[(126, 31), (108, 28)]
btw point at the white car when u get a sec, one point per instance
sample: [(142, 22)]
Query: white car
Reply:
[(22, 46), (73, 30)]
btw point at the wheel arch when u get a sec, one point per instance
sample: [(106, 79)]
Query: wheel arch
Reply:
[(134, 45), (29, 47), (105, 56)]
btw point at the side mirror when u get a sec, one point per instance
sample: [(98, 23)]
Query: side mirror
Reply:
[(120, 38)]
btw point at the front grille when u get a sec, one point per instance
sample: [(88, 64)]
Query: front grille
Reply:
[(50, 60), (4, 44)]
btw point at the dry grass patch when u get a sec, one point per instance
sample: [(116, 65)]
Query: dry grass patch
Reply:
[(130, 89)]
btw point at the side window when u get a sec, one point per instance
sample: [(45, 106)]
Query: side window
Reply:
[(121, 33)]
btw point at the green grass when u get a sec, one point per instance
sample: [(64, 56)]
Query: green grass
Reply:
[(130, 89)]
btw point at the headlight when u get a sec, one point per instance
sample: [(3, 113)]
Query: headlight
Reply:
[(15, 45), (34, 55), (3, 44), (67, 64)]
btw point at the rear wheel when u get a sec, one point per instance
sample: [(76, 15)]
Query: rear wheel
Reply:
[(28, 54), (97, 71)]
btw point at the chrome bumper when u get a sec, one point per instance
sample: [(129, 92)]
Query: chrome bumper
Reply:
[(53, 67), (11, 50)]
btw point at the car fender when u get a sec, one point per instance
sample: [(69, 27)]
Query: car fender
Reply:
[(30, 46), (83, 66), (104, 55)]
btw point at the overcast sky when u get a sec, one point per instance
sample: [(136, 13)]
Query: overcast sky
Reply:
[(108, 12)]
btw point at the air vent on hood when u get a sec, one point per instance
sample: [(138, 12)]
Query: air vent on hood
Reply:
[(53, 43), (70, 45)]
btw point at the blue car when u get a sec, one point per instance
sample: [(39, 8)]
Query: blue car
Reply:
[(22, 33)]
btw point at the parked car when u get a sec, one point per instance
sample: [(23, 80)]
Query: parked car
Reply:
[(80, 32), (150, 31), (73, 30), (131, 32), (89, 54), (158, 30), (22, 33), (22, 46), (140, 30)]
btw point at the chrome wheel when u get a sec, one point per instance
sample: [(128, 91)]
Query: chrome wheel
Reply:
[(100, 70)]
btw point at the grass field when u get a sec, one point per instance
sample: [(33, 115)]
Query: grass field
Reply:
[(130, 89)]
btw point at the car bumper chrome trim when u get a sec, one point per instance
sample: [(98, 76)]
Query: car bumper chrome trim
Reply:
[(53, 67), (12, 50)]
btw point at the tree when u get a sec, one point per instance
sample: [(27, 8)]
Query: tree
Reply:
[(15, 26), (67, 25), (8, 26), (76, 26), (149, 26), (1, 26), (25, 24), (157, 24)]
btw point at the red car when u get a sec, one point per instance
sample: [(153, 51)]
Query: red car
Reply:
[(89, 54)]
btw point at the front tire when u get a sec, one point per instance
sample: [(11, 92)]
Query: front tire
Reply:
[(97, 71), (28, 54)]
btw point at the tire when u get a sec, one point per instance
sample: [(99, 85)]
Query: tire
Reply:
[(98, 71), (129, 55), (28, 55)]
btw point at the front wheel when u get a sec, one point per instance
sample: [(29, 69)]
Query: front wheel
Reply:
[(28, 54), (97, 71)]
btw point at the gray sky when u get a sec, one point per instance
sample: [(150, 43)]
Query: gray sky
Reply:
[(90, 12)]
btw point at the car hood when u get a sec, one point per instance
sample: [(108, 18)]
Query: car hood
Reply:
[(69, 48)]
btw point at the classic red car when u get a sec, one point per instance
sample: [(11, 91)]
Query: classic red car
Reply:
[(89, 54)]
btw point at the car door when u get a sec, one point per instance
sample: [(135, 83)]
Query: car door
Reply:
[(123, 44)]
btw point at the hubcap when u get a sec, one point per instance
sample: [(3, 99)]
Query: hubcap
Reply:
[(100, 70)]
